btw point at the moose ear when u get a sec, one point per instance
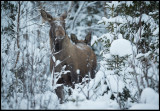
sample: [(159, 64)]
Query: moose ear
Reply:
[(88, 38), (46, 16), (64, 15), (74, 38)]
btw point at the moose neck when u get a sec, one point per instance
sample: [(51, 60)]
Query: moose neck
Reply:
[(66, 42)]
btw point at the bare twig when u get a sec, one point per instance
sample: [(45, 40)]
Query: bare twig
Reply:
[(76, 15), (18, 23)]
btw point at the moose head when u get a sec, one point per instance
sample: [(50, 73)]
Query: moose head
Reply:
[(78, 59), (57, 30), (86, 41)]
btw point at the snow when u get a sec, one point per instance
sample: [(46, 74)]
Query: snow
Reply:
[(45, 100), (149, 100), (146, 55), (123, 20), (100, 103), (145, 17), (139, 55), (120, 36), (116, 84), (107, 56), (149, 96), (144, 106), (156, 31), (82, 105), (113, 4), (53, 58), (23, 104), (98, 77), (93, 40), (121, 47), (78, 71), (107, 36), (130, 69), (86, 105), (57, 62), (117, 19), (128, 3)]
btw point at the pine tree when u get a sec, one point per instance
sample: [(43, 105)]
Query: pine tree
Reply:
[(138, 22)]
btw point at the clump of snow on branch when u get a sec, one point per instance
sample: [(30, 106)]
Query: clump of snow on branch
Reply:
[(121, 47)]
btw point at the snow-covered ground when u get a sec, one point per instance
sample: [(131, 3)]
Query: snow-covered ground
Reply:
[(49, 100), (101, 103)]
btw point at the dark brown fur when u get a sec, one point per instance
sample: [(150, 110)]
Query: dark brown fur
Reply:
[(77, 56)]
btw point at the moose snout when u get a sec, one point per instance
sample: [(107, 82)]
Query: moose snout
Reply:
[(58, 43)]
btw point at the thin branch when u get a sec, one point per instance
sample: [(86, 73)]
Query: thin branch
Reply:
[(76, 15), (33, 24), (33, 17), (18, 21), (22, 15), (89, 4), (70, 8), (104, 9), (5, 65)]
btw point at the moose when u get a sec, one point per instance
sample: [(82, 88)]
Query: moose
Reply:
[(78, 59)]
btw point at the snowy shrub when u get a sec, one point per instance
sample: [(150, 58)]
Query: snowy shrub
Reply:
[(125, 22)]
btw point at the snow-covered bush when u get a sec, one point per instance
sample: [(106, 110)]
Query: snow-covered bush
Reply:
[(128, 21)]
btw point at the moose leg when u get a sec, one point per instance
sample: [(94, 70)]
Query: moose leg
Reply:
[(60, 93)]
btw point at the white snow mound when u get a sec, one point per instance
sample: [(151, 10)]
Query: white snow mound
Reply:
[(150, 96), (121, 47)]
